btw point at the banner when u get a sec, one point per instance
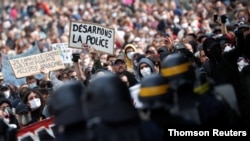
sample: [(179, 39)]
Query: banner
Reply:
[(40, 131), (8, 74), (65, 52), (96, 36), (31, 65)]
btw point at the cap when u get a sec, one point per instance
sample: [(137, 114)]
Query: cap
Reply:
[(202, 36), (179, 46), (217, 29), (4, 88), (223, 39), (21, 108), (119, 60), (4, 100)]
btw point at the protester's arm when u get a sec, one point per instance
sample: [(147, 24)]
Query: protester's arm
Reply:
[(53, 78), (78, 70), (223, 24), (46, 73), (232, 56), (223, 28)]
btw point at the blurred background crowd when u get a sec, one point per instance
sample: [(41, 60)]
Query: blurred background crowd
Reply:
[(175, 62)]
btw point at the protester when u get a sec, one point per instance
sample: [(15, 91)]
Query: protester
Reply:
[(34, 100)]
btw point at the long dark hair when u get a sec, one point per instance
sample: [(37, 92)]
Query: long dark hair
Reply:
[(28, 92)]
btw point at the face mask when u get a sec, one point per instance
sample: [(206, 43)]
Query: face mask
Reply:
[(164, 17), (145, 71), (184, 25), (35, 103), (32, 85), (176, 20), (21, 44), (24, 119), (227, 48), (241, 64), (45, 49), (103, 60), (6, 120), (7, 94), (86, 61), (130, 55)]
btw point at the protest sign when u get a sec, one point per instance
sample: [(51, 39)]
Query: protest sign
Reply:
[(40, 131), (99, 37), (65, 51), (31, 65), (8, 74)]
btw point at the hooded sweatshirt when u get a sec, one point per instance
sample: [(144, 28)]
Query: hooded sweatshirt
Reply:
[(129, 62), (147, 61)]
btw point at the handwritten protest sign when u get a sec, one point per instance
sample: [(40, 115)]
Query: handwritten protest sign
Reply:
[(99, 37), (29, 65), (8, 74), (39, 131), (65, 52)]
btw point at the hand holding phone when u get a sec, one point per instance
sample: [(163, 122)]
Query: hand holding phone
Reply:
[(223, 19), (216, 18)]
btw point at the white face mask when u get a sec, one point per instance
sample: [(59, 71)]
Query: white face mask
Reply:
[(241, 64), (145, 71), (130, 55), (86, 61), (227, 48), (45, 49), (164, 17), (176, 20), (6, 120), (184, 25), (35, 103), (7, 94), (32, 85)]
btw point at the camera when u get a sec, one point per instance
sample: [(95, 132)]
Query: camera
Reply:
[(223, 19), (75, 57)]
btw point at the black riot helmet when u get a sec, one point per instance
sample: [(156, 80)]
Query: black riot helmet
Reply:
[(178, 70), (154, 91), (202, 84), (107, 98), (65, 103)]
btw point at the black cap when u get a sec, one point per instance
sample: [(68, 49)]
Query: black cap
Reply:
[(4, 100), (4, 88), (119, 60), (201, 37), (223, 39)]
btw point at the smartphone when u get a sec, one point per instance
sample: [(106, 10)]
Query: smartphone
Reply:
[(216, 18)]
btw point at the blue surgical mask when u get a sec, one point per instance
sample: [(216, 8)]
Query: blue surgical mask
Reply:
[(32, 85)]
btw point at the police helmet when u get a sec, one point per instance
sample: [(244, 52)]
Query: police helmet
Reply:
[(108, 99), (153, 91), (66, 105)]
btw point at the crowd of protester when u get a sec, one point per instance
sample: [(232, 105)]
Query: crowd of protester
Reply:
[(176, 63)]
